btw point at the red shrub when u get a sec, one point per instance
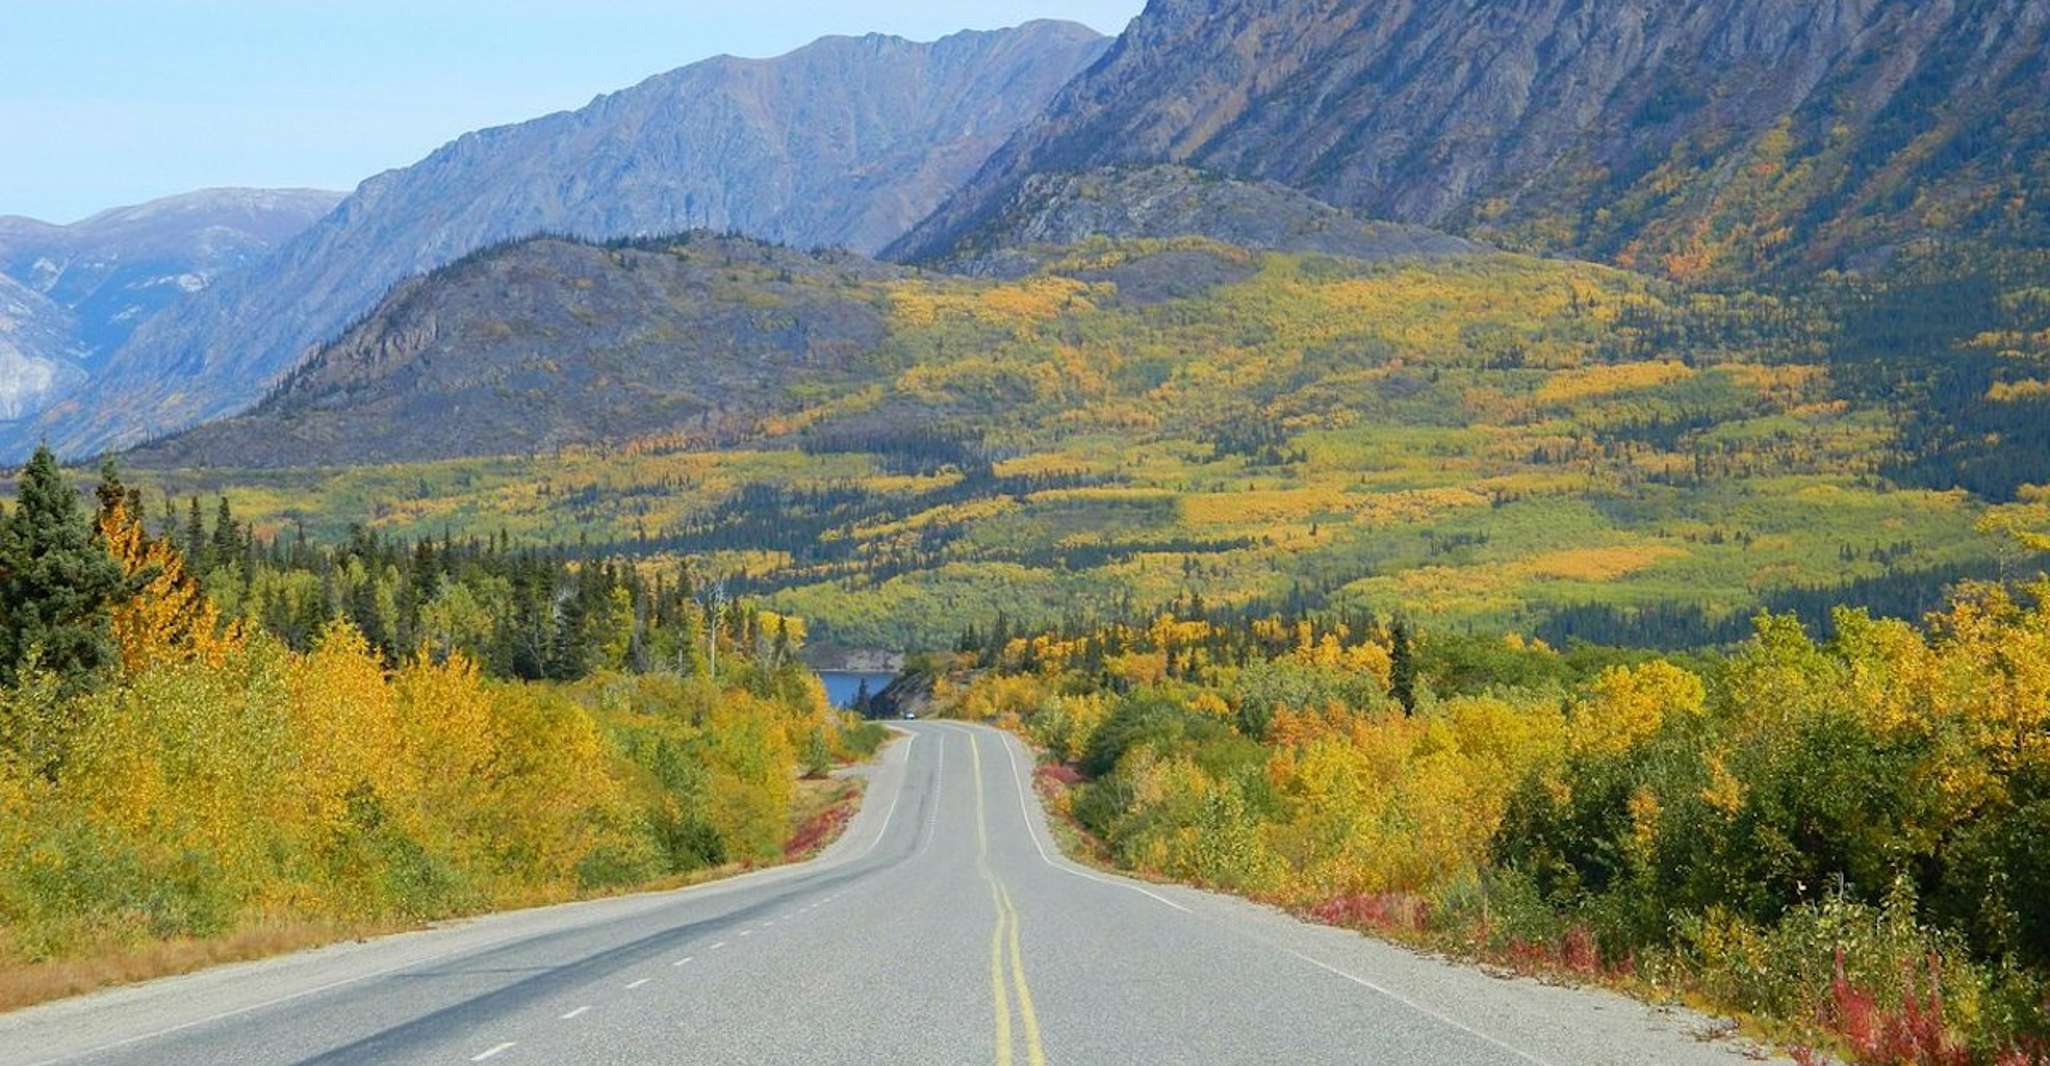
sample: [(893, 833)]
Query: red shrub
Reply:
[(1060, 773), (1384, 912), (1914, 1035)]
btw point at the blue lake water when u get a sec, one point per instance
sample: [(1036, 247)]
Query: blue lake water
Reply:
[(842, 685)]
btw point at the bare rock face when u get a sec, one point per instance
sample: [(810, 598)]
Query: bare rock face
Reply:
[(846, 142), (92, 283), (1698, 139)]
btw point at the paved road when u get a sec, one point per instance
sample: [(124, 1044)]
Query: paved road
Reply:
[(943, 928)]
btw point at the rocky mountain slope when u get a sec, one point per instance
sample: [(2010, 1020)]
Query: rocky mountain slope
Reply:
[(114, 271), (1713, 138), (551, 342), (848, 141)]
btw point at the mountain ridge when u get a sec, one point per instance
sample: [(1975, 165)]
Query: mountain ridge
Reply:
[(112, 271), (1629, 131), (846, 141)]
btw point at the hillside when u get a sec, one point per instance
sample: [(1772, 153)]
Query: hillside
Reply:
[(847, 141), (108, 274), (1050, 212), (1722, 139), (550, 342), (1477, 437)]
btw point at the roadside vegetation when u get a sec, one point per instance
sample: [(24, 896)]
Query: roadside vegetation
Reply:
[(1841, 840), (292, 745)]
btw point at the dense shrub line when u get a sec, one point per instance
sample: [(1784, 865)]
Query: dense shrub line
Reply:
[(1842, 838)]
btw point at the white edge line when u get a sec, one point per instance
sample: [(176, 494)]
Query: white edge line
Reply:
[(493, 1051), (301, 994), (1417, 1007), (1033, 832), (887, 815), (1011, 753), (721, 883)]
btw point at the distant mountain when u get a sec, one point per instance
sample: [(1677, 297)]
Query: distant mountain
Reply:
[(847, 141), (38, 349), (114, 271), (1707, 139), (550, 342), (1054, 212)]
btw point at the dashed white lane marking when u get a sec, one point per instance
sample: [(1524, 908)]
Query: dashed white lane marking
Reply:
[(719, 945), (493, 1051), (768, 923), (747, 932), (638, 983), (576, 1012), (682, 961)]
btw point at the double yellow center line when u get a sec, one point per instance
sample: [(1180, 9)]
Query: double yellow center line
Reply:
[(1003, 936)]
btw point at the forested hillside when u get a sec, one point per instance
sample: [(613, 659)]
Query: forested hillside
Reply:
[(1369, 416)]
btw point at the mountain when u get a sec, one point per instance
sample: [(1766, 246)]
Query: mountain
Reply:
[(550, 342), (38, 348), (112, 272), (847, 141), (1712, 139)]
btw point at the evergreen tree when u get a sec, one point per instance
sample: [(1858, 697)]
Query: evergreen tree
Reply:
[(1402, 659), (58, 583), (227, 543), (195, 539)]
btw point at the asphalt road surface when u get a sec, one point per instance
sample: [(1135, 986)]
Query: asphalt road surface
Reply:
[(943, 928)]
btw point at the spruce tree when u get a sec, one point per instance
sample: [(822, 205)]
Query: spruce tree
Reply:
[(58, 584), (195, 539), (1402, 661)]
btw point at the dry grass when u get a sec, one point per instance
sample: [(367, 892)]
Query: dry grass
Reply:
[(40, 982)]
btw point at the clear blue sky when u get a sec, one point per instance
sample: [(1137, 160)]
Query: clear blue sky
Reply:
[(106, 102)]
